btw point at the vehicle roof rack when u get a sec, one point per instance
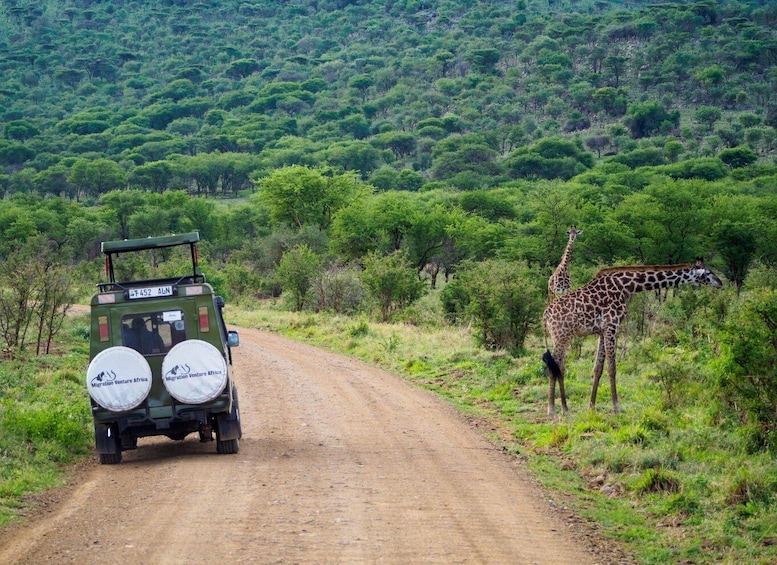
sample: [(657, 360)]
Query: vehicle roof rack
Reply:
[(114, 248), (124, 245)]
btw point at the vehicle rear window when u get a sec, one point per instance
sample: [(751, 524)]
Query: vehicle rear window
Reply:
[(153, 333)]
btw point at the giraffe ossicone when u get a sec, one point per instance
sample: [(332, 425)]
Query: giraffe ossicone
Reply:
[(597, 308)]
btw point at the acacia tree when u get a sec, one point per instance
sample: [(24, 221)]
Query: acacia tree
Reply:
[(297, 272), (300, 196), (120, 205), (668, 220), (155, 176), (429, 240), (483, 60), (35, 297), (734, 233), (391, 282), (648, 118), (96, 177)]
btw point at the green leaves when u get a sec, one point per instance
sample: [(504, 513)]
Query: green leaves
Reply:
[(747, 375), (502, 298), (296, 273), (300, 196), (391, 281)]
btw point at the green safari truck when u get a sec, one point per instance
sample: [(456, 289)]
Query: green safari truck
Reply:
[(160, 354)]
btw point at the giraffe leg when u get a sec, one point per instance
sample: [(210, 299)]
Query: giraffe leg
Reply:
[(552, 395), (598, 367), (609, 347), (562, 393), (555, 373), (561, 361)]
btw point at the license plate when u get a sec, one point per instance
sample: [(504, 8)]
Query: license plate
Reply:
[(150, 292)]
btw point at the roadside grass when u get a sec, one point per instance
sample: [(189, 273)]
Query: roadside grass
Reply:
[(669, 476), (45, 420)]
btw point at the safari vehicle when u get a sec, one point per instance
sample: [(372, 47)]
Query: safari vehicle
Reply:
[(160, 355)]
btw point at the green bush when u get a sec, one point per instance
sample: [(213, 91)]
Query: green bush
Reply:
[(747, 369), (337, 289), (391, 282), (296, 272), (503, 299), (656, 480)]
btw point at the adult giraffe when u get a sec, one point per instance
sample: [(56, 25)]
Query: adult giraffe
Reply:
[(598, 307), (560, 282)]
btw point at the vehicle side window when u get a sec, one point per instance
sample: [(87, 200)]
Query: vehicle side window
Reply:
[(153, 333)]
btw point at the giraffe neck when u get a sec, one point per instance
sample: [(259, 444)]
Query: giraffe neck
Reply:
[(640, 279), (567, 254)]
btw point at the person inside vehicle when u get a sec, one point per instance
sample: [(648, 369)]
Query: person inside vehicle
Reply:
[(141, 339)]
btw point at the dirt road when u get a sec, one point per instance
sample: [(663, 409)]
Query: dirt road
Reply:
[(339, 463)]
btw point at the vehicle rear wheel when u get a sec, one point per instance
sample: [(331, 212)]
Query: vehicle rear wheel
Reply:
[(110, 458), (227, 446), (108, 443)]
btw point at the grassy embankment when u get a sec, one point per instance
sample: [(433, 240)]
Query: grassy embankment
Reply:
[(45, 421), (664, 476)]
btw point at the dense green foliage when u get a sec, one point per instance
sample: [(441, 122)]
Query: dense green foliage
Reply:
[(207, 96)]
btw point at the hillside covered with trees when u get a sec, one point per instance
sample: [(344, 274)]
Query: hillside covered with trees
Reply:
[(471, 129), (206, 96)]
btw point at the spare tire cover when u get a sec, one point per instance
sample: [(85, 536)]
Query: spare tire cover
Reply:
[(118, 378), (194, 371)]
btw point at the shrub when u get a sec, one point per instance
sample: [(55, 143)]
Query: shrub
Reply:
[(656, 480), (391, 282), (296, 272), (337, 289), (747, 371), (738, 157), (503, 299), (749, 485)]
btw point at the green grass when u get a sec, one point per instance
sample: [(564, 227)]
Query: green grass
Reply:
[(45, 421), (667, 477)]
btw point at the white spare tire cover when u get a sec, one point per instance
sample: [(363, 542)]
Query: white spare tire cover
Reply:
[(194, 372), (118, 378)]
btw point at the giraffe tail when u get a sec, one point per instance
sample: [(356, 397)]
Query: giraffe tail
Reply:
[(551, 363)]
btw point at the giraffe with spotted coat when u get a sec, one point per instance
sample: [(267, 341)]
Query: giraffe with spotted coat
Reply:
[(597, 308)]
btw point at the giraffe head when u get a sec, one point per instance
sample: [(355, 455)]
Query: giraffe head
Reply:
[(573, 232), (702, 275)]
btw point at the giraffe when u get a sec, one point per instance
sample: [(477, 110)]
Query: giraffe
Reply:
[(432, 269), (598, 307), (559, 282)]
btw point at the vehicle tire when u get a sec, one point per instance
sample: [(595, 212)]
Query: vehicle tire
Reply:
[(228, 446), (110, 458)]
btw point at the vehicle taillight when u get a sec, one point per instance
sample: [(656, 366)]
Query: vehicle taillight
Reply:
[(204, 321), (102, 324)]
